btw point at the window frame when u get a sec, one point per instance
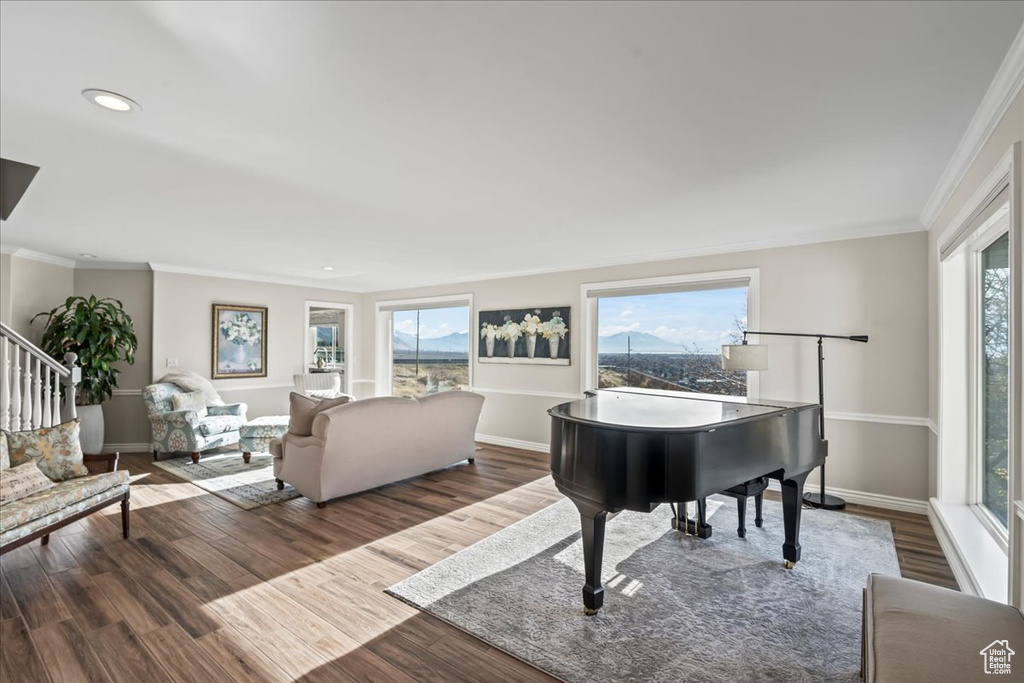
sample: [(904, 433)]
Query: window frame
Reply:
[(384, 333), (589, 306), (307, 353), (986, 235)]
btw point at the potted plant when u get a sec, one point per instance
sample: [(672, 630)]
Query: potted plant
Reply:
[(101, 333), (554, 330)]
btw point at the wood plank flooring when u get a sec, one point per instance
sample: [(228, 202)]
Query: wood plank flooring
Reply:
[(205, 591)]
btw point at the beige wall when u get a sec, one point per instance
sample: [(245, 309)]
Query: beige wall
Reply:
[(5, 288), (34, 286), (124, 415), (1009, 130), (874, 286), (183, 328)]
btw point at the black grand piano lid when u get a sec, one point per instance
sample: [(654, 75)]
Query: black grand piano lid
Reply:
[(653, 409)]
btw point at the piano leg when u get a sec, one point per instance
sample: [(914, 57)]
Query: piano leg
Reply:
[(741, 509), (592, 520), (701, 527), (758, 501), (792, 502)]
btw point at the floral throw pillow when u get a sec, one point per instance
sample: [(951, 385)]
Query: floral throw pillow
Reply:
[(56, 450), (193, 400), (23, 480)]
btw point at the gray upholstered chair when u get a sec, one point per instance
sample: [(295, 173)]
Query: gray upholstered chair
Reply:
[(183, 431)]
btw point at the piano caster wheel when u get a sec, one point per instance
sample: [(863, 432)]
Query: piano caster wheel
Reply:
[(788, 565), (587, 612)]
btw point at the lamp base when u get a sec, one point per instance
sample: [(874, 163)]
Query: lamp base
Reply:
[(830, 502)]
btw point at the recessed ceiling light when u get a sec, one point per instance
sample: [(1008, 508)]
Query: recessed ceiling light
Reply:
[(110, 100), (328, 267), (88, 256)]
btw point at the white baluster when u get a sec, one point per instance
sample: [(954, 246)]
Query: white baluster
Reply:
[(26, 393), (70, 360), (5, 386), (37, 394), (47, 401), (56, 400), (16, 389)]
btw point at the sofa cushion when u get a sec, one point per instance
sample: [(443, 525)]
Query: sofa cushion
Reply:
[(304, 408), (193, 400), (60, 497), (219, 424), (23, 480), (9, 535), (919, 632), (57, 450)]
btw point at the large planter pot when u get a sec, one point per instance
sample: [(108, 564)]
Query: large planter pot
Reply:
[(553, 343), (91, 433)]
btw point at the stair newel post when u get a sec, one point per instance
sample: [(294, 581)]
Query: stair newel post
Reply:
[(70, 362)]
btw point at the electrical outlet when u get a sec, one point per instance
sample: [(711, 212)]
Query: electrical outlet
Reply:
[(172, 362)]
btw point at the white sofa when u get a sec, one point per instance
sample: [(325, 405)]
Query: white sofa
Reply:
[(377, 441)]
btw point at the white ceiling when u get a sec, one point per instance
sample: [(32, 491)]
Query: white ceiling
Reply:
[(410, 143)]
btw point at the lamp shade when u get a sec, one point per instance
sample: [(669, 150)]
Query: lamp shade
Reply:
[(744, 357)]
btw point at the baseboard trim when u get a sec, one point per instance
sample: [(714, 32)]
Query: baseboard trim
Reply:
[(875, 500), (950, 548), (126, 447), (513, 443)]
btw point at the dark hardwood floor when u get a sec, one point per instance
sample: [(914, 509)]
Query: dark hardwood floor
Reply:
[(205, 591)]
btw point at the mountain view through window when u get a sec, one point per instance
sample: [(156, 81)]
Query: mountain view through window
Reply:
[(430, 350), (671, 340)]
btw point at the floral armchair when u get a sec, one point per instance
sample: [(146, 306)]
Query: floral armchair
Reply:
[(183, 431)]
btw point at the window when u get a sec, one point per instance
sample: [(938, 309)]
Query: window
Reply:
[(427, 347), (667, 333), (993, 375)]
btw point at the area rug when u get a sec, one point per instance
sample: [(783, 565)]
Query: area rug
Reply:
[(676, 608), (227, 476)]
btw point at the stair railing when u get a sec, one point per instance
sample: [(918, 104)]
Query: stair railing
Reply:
[(31, 382)]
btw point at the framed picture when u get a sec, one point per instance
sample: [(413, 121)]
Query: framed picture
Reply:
[(239, 341), (539, 336)]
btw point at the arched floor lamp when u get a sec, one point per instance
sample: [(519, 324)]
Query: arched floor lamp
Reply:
[(755, 357)]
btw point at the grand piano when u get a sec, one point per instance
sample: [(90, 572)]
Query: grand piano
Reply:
[(633, 449)]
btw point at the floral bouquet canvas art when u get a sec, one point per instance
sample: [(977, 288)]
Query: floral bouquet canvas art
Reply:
[(239, 341)]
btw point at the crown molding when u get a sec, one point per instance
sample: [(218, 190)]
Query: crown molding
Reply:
[(90, 264), (20, 252), (249, 277), (1003, 89)]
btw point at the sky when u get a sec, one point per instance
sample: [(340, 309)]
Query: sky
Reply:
[(434, 322), (706, 319)]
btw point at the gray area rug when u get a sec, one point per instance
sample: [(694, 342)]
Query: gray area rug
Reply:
[(676, 608), (227, 476)]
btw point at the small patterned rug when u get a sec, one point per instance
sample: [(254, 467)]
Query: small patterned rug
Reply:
[(226, 475), (676, 608)]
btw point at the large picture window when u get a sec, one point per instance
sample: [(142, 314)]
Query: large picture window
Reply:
[(667, 333), (993, 375), (426, 346)]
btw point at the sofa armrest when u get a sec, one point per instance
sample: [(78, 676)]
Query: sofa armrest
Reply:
[(100, 462), (238, 409)]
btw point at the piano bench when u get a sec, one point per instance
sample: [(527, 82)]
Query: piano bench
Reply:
[(914, 631), (755, 488)]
